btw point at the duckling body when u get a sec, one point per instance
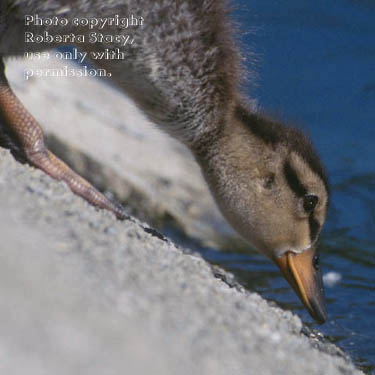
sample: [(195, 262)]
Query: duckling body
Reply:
[(183, 71)]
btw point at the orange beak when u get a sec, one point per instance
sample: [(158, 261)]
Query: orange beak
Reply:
[(303, 274)]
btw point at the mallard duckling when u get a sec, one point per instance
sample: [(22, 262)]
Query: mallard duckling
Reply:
[(183, 71)]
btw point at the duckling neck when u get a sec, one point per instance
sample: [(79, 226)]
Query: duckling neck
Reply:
[(219, 137), (229, 157), (225, 151)]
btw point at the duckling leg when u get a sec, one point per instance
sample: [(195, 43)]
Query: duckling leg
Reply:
[(25, 132)]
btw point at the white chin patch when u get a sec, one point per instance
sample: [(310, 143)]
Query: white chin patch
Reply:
[(284, 249)]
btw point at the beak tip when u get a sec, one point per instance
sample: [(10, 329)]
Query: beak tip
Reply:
[(318, 312), (320, 318), (306, 280)]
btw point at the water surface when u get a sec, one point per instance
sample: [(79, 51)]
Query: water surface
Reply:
[(315, 67)]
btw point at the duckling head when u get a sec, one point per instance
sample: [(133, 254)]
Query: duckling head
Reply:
[(271, 186)]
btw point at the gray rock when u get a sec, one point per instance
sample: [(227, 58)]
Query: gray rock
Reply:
[(85, 293)]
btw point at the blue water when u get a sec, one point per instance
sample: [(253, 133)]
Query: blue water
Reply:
[(315, 67)]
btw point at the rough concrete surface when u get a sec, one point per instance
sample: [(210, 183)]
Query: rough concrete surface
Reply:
[(83, 293)]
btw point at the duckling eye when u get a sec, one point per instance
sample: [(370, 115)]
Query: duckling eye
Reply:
[(310, 202)]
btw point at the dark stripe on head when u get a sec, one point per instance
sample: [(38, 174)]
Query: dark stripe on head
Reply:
[(293, 181), (314, 227), (300, 191), (261, 127)]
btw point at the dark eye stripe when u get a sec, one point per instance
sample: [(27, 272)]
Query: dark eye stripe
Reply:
[(300, 190), (293, 181)]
